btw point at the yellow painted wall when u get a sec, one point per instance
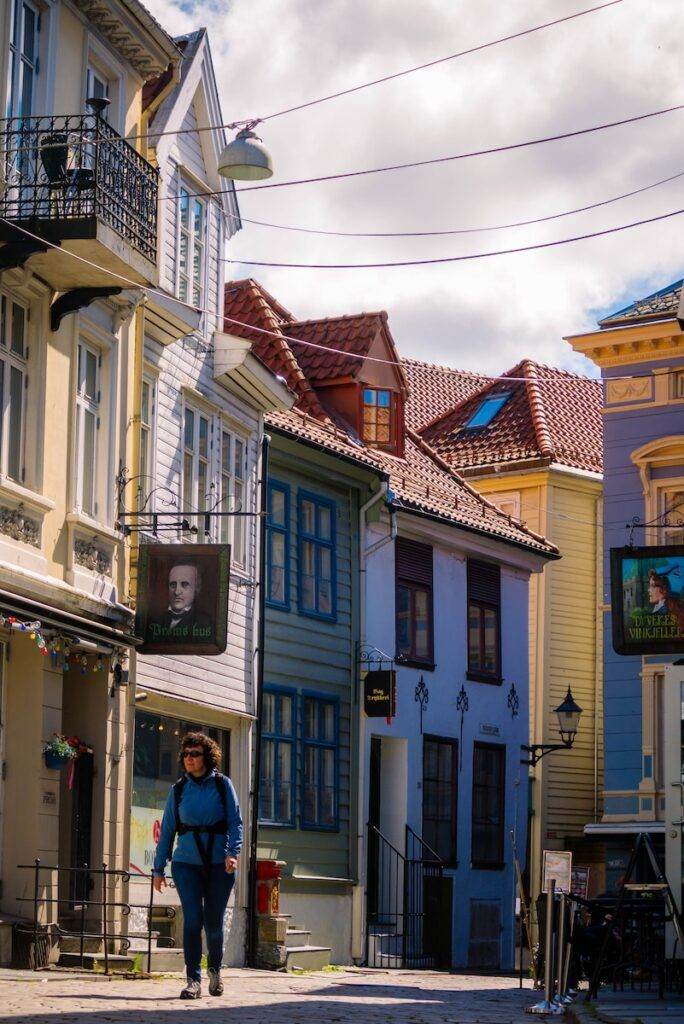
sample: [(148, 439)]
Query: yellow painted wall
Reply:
[(565, 649)]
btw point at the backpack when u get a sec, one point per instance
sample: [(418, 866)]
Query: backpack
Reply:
[(217, 828)]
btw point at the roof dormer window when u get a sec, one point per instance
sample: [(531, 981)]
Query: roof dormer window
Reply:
[(486, 411), (379, 419)]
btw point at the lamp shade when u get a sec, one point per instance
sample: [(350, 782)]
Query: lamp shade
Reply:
[(568, 717), (245, 158)]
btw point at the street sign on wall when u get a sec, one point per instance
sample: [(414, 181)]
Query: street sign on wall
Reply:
[(647, 599)]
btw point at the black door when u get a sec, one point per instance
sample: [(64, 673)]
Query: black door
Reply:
[(373, 819), (81, 825)]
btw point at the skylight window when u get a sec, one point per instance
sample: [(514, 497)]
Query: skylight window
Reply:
[(486, 411)]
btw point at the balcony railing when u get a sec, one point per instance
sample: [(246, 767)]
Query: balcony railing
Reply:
[(62, 174)]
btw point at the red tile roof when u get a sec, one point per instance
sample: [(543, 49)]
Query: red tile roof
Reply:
[(354, 334), (435, 390), (421, 481), (249, 303), (552, 416)]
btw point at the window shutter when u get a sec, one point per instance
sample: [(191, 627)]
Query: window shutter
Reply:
[(484, 582), (413, 561)]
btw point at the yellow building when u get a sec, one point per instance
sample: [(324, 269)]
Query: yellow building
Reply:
[(532, 443), (77, 207)]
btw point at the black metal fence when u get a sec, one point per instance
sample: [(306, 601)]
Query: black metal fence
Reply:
[(76, 915), (408, 905), (62, 171)]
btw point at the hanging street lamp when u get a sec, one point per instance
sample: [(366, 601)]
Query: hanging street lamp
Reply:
[(568, 712), (245, 158)]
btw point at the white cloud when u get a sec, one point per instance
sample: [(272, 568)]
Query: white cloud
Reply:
[(626, 60)]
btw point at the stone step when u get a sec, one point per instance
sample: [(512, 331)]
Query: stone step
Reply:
[(297, 937), (95, 962), (166, 961), (72, 944), (307, 958)]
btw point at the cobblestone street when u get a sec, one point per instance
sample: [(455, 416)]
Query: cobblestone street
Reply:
[(332, 997)]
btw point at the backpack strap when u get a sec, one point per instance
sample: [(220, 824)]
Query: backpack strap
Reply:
[(178, 788), (221, 781)]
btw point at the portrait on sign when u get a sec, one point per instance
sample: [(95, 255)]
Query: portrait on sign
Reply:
[(648, 599), (183, 598)]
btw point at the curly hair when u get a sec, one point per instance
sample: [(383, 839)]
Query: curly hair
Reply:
[(212, 751)]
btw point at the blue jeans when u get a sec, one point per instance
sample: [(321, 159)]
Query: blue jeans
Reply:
[(204, 897)]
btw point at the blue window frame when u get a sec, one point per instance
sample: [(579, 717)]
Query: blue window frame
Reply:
[(316, 576), (278, 545), (277, 793), (320, 762), (486, 411)]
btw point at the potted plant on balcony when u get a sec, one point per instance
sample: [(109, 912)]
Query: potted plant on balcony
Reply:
[(58, 752)]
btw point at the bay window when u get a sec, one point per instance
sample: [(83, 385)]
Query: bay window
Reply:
[(191, 248), (88, 400), (234, 494), (13, 380)]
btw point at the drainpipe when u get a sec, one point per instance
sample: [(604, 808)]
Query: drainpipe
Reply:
[(254, 810), (357, 920), (598, 646)]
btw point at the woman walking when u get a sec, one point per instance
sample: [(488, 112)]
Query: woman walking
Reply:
[(202, 810)]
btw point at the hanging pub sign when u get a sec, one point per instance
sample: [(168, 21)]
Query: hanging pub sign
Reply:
[(182, 603), (647, 599), (379, 693)]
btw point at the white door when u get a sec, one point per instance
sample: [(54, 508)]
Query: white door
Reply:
[(673, 770)]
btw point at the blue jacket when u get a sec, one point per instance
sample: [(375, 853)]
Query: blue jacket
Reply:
[(200, 804)]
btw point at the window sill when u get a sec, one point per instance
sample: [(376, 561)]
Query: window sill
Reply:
[(77, 518), (276, 824), (320, 828), (427, 666), (17, 492), (283, 607), (317, 615), (482, 677), (479, 866)]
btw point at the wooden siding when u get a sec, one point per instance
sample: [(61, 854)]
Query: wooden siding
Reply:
[(305, 653)]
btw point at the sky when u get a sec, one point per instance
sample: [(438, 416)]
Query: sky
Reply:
[(485, 314)]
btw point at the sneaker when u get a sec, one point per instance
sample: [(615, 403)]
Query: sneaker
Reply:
[(215, 983), (192, 990)]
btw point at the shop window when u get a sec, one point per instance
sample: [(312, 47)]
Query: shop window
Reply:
[(484, 621), (440, 790), (317, 556), (319, 770), (278, 746), (414, 627), (278, 545), (489, 803), (155, 769)]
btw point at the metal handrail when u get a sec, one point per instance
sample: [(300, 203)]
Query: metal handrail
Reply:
[(414, 835)]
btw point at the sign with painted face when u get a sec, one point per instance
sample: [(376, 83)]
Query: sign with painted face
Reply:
[(647, 599), (183, 598), (379, 693)]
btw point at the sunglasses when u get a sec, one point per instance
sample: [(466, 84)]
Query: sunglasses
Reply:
[(193, 753)]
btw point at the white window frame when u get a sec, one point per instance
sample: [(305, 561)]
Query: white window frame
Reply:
[(99, 61), (147, 467), (19, 363), (86, 405), (192, 461), (666, 492), (507, 501), (19, 59), (189, 288), (234, 493)]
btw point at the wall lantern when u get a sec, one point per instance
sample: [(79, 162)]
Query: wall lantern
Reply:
[(245, 158), (568, 713)]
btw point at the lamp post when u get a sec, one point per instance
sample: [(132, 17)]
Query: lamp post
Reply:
[(568, 713)]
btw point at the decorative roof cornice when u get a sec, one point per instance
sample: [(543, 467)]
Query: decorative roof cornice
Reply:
[(132, 31), (637, 343)]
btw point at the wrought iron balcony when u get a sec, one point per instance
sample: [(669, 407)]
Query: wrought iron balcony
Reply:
[(73, 181)]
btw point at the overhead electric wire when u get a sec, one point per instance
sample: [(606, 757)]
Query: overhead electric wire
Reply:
[(147, 289), (433, 63), (510, 147), (456, 231), (453, 259)]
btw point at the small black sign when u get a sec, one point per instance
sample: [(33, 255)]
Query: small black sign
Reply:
[(379, 693)]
